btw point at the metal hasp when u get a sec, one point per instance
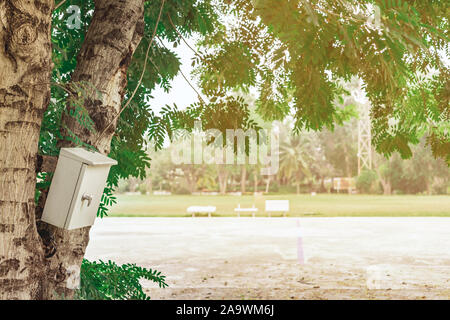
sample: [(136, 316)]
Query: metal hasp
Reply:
[(77, 188)]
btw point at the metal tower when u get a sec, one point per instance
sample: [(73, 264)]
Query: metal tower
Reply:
[(364, 138), (364, 126)]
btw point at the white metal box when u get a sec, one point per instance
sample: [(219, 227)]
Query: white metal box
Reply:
[(77, 188)]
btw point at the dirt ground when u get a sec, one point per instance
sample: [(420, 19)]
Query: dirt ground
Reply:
[(283, 258)]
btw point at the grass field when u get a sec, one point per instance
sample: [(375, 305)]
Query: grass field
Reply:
[(300, 205)]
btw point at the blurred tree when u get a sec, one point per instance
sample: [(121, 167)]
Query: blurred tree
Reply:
[(416, 175), (340, 148), (296, 158)]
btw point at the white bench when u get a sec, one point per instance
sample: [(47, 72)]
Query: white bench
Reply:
[(253, 210), (277, 206), (200, 209)]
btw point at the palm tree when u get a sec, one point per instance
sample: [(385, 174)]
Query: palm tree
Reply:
[(295, 158)]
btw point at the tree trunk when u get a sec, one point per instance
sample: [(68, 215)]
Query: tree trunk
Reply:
[(429, 179), (27, 270), (255, 181), (347, 162), (268, 183), (243, 178), (133, 184), (223, 177), (298, 180), (25, 66), (115, 32), (387, 189), (385, 183), (191, 179), (149, 184)]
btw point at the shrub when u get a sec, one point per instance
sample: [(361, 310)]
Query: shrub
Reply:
[(287, 189), (440, 186), (274, 187), (108, 281), (365, 183), (143, 189), (181, 191)]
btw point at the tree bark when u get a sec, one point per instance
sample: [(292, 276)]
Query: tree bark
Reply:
[(25, 66)]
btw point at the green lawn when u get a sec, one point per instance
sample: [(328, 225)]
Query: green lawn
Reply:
[(300, 205)]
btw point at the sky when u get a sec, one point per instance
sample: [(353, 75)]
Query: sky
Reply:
[(181, 93)]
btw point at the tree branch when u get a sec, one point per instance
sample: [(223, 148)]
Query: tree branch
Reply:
[(140, 79), (59, 4), (46, 163), (185, 78)]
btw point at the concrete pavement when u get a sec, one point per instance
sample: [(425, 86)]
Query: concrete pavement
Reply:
[(282, 258)]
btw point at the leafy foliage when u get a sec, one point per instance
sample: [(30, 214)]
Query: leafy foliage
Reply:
[(108, 281), (297, 54)]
